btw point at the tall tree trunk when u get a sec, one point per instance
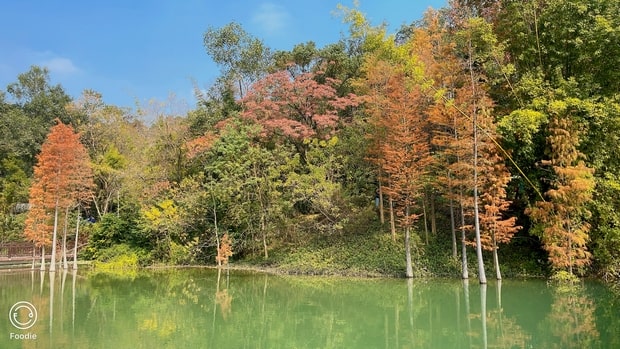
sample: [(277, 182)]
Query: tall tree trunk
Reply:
[(64, 241), (75, 245), (452, 219), (498, 273), (453, 230), (481, 274), (263, 214), (99, 213), (381, 208), (42, 258), (264, 232), (409, 267), (54, 238), (433, 214), (425, 220), (569, 247), (464, 269), (217, 236), (34, 255), (392, 220)]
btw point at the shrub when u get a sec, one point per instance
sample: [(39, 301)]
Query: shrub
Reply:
[(121, 256), (563, 277)]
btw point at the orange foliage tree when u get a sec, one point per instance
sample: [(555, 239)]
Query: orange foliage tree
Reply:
[(497, 228), (403, 153), (224, 250), (563, 218), (377, 78), (62, 178), (450, 131)]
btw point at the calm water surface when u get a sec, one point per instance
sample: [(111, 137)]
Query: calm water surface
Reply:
[(197, 308)]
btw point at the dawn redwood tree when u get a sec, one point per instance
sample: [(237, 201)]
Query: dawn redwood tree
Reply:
[(496, 227), (562, 219), (377, 77), (38, 223), (406, 153), (60, 177), (451, 149), (490, 175), (397, 104)]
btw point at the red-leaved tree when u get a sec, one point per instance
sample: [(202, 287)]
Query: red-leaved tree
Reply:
[(297, 108), (62, 178)]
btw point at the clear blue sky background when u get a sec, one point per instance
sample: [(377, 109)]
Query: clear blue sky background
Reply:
[(141, 50)]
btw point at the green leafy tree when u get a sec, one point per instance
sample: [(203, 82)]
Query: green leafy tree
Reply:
[(41, 103), (244, 59), (14, 185)]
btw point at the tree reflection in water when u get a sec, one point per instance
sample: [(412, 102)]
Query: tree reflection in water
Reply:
[(571, 322)]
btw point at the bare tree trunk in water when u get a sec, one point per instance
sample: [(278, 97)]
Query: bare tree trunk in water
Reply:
[(464, 270), (75, 246), (498, 273), (408, 246), (64, 241), (42, 258), (481, 274), (54, 237)]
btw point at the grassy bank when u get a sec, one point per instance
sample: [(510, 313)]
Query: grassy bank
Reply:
[(377, 254)]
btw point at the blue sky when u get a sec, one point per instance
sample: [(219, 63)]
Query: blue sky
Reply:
[(136, 51)]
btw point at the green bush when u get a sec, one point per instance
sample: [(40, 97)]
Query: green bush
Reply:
[(563, 277), (112, 231), (121, 256), (182, 254)]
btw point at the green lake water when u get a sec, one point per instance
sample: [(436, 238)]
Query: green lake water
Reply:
[(197, 308)]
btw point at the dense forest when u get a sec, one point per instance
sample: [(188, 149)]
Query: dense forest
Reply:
[(486, 133)]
